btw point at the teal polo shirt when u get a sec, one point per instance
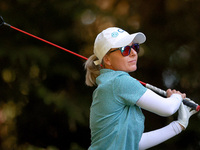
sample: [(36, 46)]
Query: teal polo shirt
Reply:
[(116, 122)]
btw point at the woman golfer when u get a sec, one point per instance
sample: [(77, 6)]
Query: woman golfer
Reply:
[(116, 119)]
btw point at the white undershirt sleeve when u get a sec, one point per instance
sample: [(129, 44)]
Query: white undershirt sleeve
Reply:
[(161, 106), (153, 138)]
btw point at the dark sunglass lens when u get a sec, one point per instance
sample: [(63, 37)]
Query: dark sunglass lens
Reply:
[(125, 50), (136, 47)]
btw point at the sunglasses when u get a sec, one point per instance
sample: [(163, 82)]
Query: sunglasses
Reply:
[(125, 51)]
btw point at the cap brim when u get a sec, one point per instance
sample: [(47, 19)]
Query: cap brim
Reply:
[(135, 38)]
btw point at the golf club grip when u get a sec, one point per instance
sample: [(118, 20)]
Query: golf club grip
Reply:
[(186, 101), (190, 104)]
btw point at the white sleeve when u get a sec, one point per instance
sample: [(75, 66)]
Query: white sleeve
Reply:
[(159, 105), (153, 138)]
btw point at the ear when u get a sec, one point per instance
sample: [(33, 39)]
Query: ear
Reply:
[(106, 60)]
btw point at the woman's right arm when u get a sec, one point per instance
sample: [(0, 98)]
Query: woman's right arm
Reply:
[(153, 102)]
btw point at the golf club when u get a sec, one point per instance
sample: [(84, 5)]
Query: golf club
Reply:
[(186, 101), (4, 23), (1, 21)]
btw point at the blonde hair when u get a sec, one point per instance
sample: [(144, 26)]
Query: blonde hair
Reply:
[(92, 71)]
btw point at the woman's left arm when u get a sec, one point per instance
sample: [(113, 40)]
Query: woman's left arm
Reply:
[(153, 138)]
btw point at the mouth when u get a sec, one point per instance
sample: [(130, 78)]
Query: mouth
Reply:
[(133, 61)]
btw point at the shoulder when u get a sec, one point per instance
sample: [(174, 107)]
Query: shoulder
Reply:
[(124, 82), (128, 89), (125, 79)]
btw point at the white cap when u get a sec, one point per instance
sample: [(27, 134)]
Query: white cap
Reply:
[(114, 37)]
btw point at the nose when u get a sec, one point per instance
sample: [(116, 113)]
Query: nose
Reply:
[(133, 52)]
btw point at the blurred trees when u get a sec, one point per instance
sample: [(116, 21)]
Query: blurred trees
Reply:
[(44, 101)]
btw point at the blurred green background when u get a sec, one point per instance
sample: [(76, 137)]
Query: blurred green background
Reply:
[(44, 102)]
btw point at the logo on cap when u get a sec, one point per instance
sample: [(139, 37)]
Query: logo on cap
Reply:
[(114, 34), (120, 30)]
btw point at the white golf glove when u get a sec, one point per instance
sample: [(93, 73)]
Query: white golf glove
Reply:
[(184, 114)]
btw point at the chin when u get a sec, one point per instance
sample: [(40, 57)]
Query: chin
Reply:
[(132, 70)]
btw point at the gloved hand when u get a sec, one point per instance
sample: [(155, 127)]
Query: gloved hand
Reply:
[(184, 114)]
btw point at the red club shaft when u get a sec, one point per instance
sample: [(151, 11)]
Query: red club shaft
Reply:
[(48, 42)]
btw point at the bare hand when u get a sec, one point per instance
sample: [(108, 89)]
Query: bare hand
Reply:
[(170, 92)]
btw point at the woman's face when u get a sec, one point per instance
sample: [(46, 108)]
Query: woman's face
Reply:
[(117, 62)]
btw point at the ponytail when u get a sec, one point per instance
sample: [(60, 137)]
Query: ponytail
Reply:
[(92, 71)]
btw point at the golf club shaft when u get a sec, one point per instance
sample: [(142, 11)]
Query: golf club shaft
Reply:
[(45, 41), (155, 89)]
